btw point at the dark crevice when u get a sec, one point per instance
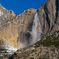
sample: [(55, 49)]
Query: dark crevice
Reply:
[(46, 12), (52, 27), (11, 57), (30, 26), (57, 9), (44, 22), (24, 37), (56, 15), (28, 35)]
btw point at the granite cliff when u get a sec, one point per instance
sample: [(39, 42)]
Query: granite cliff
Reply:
[(48, 15), (15, 29)]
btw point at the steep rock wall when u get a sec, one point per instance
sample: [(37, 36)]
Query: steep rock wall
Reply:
[(17, 31), (48, 15)]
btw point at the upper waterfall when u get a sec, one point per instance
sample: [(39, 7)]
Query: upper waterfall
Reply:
[(36, 29)]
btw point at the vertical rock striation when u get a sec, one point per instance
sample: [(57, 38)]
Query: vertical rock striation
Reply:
[(48, 14)]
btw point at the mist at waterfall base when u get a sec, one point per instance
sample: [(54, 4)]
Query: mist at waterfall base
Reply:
[(35, 33)]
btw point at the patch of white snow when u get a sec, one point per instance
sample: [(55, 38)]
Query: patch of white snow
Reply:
[(0, 15)]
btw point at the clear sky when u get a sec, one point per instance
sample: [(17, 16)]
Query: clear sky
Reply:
[(18, 6)]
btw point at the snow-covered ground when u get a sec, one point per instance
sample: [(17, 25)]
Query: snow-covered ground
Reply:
[(0, 15), (9, 50)]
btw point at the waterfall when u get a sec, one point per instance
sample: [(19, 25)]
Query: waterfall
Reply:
[(35, 34), (36, 29)]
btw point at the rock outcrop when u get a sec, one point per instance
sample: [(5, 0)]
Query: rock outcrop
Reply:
[(5, 15)]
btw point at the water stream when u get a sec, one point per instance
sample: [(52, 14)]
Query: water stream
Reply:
[(36, 29)]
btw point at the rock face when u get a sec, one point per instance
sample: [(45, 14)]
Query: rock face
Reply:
[(5, 15), (24, 22), (48, 15), (15, 30), (18, 28)]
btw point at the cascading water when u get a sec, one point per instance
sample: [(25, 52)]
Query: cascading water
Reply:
[(36, 29)]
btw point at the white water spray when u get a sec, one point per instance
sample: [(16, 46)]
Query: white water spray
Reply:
[(36, 29)]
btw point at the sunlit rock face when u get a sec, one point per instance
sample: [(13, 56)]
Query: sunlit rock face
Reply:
[(20, 27), (5, 15), (49, 16), (9, 34)]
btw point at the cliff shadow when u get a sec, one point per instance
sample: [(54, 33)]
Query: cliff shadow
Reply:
[(57, 9)]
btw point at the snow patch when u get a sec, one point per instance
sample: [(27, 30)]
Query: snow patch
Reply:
[(0, 15), (7, 50), (10, 48)]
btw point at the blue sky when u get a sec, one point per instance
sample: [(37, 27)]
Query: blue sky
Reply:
[(18, 6)]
